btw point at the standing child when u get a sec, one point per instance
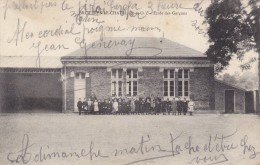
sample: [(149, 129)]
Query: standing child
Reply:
[(152, 104), (109, 107), (191, 105), (96, 109), (79, 105), (168, 106), (90, 105), (85, 105), (174, 106), (115, 107), (142, 106), (132, 105)]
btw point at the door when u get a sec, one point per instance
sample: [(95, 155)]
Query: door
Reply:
[(79, 89), (249, 102), (229, 101)]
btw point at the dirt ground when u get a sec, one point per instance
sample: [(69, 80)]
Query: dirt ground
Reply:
[(65, 139)]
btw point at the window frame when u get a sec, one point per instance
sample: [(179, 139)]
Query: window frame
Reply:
[(169, 79), (116, 79), (184, 79), (131, 79)]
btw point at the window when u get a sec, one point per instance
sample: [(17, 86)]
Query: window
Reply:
[(80, 75), (183, 82), (168, 83), (117, 82), (131, 82)]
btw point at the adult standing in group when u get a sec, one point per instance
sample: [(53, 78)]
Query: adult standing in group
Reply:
[(191, 105), (184, 106), (93, 97), (167, 106), (179, 106), (101, 106), (79, 105), (137, 105)]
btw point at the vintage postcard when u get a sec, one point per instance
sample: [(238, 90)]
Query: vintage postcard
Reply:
[(129, 82)]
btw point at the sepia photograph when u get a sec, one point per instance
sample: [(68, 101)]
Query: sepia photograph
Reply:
[(129, 82)]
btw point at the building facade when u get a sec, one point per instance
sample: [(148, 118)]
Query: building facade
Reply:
[(118, 67), (137, 67), (233, 99)]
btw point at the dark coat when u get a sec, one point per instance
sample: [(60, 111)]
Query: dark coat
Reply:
[(185, 106), (167, 106), (79, 104), (109, 107), (179, 106), (85, 104), (142, 106), (137, 105)]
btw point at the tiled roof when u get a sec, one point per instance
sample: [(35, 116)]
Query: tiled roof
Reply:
[(228, 84), (143, 47), (30, 62)]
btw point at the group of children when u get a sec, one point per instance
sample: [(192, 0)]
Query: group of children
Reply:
[(148, 105)]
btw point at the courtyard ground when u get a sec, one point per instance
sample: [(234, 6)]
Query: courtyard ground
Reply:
[(64, 139)]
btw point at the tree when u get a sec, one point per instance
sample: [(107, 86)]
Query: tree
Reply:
[(231, 79), (234, 29), (244, 80), (231, 32)]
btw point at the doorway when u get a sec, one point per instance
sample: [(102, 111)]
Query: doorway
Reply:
[(229, 101), (79, 88)]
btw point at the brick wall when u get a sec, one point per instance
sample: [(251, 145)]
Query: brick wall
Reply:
[(202, 88), (150, 82), (220, 97), (100, 82), (69, 94)]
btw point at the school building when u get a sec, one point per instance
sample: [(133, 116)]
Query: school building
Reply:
[(117, 67)]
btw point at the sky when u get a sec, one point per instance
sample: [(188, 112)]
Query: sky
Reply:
[(181, 21)]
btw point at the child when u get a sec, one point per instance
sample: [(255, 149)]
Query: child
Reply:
[(191, 105), (89, 103), (96, 109), (115, 106), (174, 106)]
